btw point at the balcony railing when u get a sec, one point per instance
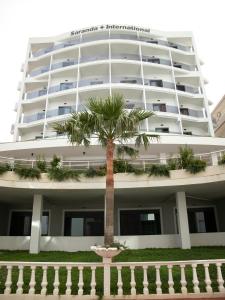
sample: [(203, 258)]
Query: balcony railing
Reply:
[(115, 79), (166, 108), (112, 36), (50, 113), (136, 57), (183, 279)]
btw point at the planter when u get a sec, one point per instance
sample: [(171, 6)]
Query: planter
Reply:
[(106, 252)]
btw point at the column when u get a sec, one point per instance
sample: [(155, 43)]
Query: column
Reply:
[(36, 224), (162, 158), (182, 217), (214, 159)]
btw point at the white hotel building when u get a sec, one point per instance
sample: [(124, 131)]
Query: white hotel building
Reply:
[(154, 70)]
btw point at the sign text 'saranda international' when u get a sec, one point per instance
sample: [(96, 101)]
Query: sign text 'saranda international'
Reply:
[(107, 27)]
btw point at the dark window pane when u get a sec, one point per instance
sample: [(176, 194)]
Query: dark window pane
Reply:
[(21, 223), (202, 220), (84, 223), (140, 222)]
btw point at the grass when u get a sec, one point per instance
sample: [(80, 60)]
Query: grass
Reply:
[(197, 253)]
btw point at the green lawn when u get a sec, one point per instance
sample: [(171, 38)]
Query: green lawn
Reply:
[(126, 256)]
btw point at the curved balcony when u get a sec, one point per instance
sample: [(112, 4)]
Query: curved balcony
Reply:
[(112, 36), (123, 56), (159, 83), (63, 110)]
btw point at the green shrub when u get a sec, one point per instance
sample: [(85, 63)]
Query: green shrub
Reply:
[(4, 168), (186, 157), (61, 174), (55, 163), (222, 160), (196, 166), (139, 171), (92, 172), (27, 172), (158, 170), (41, 164), (122, 166), (173, 164)]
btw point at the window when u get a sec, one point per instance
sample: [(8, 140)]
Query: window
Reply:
[(88, 223), (202, 220), (184, 111), (187, 132), (156, 82), (66, 86), (180, 87), (140, 222), (132, 81), (20, 224), (162, 129), (159, 107), (62, 110)]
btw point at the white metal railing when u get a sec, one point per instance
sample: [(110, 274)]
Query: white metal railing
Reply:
[(211, 158), (183, 278)]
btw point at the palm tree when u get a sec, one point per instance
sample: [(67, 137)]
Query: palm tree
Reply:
[(114, 126)]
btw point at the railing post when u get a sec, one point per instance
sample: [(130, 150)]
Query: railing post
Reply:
[(214, 158), (107, 262)]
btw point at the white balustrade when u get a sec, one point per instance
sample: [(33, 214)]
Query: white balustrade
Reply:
[(68, 281), (19, 290), (56, 281), (15, 273), (119, 282), (170, 279), (44, 282), (81, 282), (183, 281), (132, 281), (195, 279), (32, 281), (158, 280)]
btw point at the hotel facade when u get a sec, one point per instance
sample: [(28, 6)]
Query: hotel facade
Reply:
[(153, 70)]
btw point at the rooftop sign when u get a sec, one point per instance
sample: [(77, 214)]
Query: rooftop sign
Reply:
[(107, 27)]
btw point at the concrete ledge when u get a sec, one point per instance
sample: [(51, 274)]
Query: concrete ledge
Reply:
[(122, 181)]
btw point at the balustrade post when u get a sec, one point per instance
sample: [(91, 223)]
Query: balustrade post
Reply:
[(158, 280), (32, 281), (44, 282), (107, 276), (8, 282), (183, 280), (132, 281), (19, 290), (119, 282), (207, 279), (220, 278), (56, 281), (145, 280), (81, 281), (170, 279), (93, 281), (68, 281), (195, 279)]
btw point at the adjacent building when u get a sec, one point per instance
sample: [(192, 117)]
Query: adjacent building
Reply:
[(154, 70), (218, 116)]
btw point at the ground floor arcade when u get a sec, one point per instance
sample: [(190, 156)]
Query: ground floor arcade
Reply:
[(71, 221)]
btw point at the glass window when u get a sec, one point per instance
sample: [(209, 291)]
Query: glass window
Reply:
[(88, 223), (159, 107), (140, 222), (202, 220), (20, 224), (162, 129)]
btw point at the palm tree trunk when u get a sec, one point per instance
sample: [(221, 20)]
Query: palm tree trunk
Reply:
[(109, 195)]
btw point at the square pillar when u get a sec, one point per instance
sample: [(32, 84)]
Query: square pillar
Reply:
[(214, 159), (36, 224), (182, 216)]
